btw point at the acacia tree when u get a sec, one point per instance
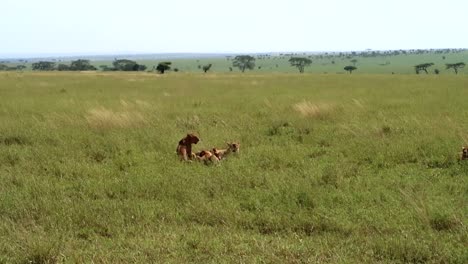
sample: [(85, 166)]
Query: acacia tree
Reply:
[(244, 62), (43, 66), (63, 67), (106, 68), (455, 66), (300, 63), (81, 65), (21, 67), (163, 66), (423, 67), (127, 65), (207, 67), (354, 61), (350, 69)]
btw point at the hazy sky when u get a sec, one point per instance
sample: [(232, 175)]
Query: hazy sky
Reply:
[(155, 26)]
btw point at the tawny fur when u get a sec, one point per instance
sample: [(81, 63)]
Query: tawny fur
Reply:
[(464, 153), (223, 153), (206, 156), (184, 149)]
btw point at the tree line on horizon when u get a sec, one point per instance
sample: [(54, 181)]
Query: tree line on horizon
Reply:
[(85, 65), (244, 62)]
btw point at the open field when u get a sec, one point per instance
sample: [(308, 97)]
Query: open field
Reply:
[(333, 168)]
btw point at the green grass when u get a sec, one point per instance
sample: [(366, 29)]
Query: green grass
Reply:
[(332, 168)]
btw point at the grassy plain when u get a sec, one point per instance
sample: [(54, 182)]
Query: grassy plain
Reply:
[(333, 168)]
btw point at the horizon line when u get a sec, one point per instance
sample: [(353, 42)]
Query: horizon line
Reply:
[(131, 53)]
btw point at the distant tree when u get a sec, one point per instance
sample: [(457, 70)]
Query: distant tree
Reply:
[(244, 62), (163, 66), (455, 66), (354, 61), (176, 69), (436, 71), (124, 65), (63, 67), (142, 67), (300, 63), (350, 69), (423, 67), (106, 68), (43, 66), (3, 67), (127, 65), (206, 67), (21, 67), (443, 57), (81, 65), (230, 69)]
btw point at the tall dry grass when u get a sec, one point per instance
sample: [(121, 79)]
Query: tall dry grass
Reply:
[(104, 118), (308, 109)]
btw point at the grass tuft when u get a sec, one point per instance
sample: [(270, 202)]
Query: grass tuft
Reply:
[(13, 140), (443, 222), (308, 109), (102, 118)]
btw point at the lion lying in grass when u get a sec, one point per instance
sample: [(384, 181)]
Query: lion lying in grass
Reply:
[(223, 153), (206, 156)]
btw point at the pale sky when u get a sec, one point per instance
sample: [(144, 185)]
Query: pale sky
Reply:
[(30, 27)]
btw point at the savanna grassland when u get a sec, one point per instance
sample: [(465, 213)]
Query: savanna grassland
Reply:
[(332, 168)]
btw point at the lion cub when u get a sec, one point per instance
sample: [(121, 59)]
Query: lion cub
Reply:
[(223, 153), (184, 149), (464, 153), (206, 156)]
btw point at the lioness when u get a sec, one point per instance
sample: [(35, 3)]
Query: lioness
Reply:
[(184, 149), (222, 153)]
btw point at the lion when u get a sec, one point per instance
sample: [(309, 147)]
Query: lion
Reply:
[(184, 149), (206, 156), (464, 153), (233, 147)]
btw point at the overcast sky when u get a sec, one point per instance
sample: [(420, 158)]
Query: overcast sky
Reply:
[(30, 27)]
